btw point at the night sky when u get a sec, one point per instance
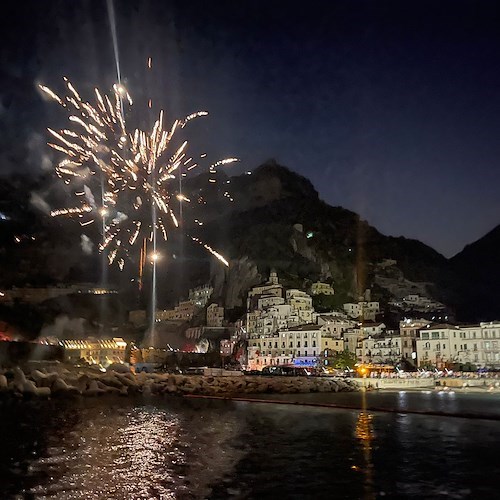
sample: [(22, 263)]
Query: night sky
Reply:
[(392, 109)]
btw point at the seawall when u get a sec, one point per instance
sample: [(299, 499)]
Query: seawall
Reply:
[(61, 381)]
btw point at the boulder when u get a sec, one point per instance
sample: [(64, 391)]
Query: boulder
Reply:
[(29, 388), (43, 392), (19, 375), (38, 377), (93, 389), (118, 368), (61, 387), (111, 380)]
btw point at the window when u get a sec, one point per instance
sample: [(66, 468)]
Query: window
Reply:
[(305, 343), (298, 353), (314, 343), (435, 335), (425, 335), (298, 343)]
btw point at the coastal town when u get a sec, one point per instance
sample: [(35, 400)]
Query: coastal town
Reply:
[(281, 328)]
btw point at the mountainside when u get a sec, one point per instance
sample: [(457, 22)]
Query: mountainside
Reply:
[(278, 221), (272, 218), (478, 266)]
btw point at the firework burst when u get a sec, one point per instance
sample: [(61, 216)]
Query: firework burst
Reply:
[(134, 172)]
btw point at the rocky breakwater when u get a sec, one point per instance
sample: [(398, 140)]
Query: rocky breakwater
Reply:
[(47, 382)]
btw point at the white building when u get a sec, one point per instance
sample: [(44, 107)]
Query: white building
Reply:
[(490, 344), (273, 319), (477, 344), (444, 345), (319, 288), (335, 325), (272, 287), (301, 304), (184, 311), (372, 328), (363, 309), (434, 345), (201, 295), (265, 301), (385, 350), (215, 315), (300, 346)]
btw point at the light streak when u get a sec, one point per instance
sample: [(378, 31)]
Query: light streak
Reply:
[(118, 163)]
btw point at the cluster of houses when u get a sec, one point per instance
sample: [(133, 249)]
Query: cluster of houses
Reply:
[(283, 328)]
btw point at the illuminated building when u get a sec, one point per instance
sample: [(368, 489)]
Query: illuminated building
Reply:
[(443, 345), (379, 350), (215, 315), (94, 351), (201, 295), (363, 309), (320, 288)]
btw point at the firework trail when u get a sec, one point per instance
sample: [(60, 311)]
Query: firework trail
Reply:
[(137, 169)]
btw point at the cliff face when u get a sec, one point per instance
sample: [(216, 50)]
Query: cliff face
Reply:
[(232, 284), (278, 221)]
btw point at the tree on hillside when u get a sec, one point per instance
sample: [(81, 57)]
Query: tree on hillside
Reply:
[(338, 360)]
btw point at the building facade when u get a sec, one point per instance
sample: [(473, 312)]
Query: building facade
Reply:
[(364, 310), (320, 288), (215, 315), (95, 351)]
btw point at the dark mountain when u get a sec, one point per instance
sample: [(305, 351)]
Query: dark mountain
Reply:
[(278, 221), (478, 266), (272, 218)]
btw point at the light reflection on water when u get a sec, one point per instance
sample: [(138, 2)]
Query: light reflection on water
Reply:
[(365, 434), (139, 452), (174, 448)]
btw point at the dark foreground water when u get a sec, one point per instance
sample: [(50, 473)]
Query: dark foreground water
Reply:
[(178, 448)]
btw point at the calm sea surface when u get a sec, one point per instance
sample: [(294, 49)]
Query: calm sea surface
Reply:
[(180, 448)]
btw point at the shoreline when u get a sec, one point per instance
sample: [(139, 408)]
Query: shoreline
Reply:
[(67, 381)]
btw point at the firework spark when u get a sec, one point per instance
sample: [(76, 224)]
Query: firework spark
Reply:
[(136, 170)]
